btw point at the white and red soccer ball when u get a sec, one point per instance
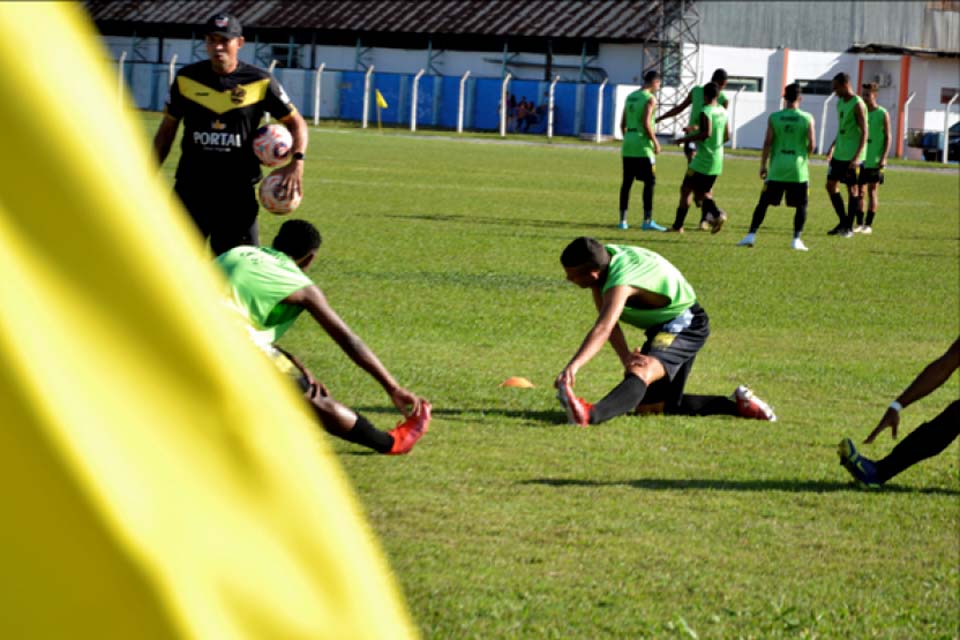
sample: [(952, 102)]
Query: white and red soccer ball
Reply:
[(277, 199), (272, 144)]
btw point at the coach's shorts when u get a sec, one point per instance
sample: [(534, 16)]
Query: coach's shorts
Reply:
[(796, 192), (227, 214), (870, 176), (675, 344), (844, 172), (642, 169), (698, 182)]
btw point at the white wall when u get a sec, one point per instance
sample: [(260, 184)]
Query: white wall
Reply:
[(931, 75)]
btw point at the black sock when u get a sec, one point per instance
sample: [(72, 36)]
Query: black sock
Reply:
[(758, 216), (681, 216), (870, 215), (837, 201), (799, 220), (623, 399), (367, 435), (691, 405), (852, 207), (648, 200), (924, 442)]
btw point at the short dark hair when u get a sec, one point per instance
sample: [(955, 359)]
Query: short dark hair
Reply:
[(791, 92), (872, 87), (719, 76), (842, 78), (297, 238), (651, 75), (710, 92), (585, 252)]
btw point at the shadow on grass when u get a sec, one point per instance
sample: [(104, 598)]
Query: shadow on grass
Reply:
[(550, 417), (672, 484)]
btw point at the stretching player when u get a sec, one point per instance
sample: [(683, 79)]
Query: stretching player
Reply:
[(269, 290), (788, 142), (640, 149), (924, 442), (640, 288), (845, 153), (712, 132), (878, 145)]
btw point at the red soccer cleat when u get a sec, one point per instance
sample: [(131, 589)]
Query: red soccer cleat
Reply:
[(578, 409), (406, 434), (750, 406)]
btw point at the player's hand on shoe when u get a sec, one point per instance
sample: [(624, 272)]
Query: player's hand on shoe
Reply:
[(890, 419), (406, 401), (567, 377)]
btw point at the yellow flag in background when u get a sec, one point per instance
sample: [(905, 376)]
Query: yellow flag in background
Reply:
[(381, 102), (147, 491)]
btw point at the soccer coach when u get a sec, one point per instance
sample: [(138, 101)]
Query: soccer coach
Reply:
[(221, 102)]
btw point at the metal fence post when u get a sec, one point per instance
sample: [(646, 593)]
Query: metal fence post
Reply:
[(503, 105), (460, 104), (120, 63), (906, 119), (316, 94), (733, 118), (946, 128), (366, 97), (413, 100), (600, 110), (553, 86), (172, 70)]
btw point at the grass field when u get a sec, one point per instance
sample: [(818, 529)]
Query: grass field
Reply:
[(504, 522)]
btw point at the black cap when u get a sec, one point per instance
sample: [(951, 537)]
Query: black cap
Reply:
[(224, 24)]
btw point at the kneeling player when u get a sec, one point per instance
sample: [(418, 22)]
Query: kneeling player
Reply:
[(641, 288), (788, 142), (269, 289)]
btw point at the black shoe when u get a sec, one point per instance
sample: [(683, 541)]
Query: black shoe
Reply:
[(836, 230)]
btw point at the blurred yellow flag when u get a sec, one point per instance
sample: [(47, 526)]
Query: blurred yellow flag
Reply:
[(148, 492), (381, 102)]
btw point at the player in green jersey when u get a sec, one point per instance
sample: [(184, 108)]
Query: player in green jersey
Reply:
[(846, 153), (788, 142), (875, 160), (924, 442), (712, 132), (641, 288), (268, 291), (640, 149)]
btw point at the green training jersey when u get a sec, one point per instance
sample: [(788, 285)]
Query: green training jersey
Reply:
[(696, 105), (709, 158), (875, 148), (636, 142), (644, 269), (258, 279), (848, 132), (788, 154)]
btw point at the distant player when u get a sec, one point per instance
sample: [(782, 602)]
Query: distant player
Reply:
[(640, 149), (710, 135), (695, 101), (845, 154), (269, 290), (221, 102), (878, 145), (641, 288), (788, 142), (924, 442)]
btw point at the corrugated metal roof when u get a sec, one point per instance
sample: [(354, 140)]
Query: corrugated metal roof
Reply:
[(622, 20)]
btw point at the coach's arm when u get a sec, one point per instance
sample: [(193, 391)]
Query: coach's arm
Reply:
[(163, 139)]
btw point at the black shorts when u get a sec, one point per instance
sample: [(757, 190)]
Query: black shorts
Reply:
[(675, 344), (225, 213), (870, 176), (844, 172), (797, 193), (642, 169), (698, 182)]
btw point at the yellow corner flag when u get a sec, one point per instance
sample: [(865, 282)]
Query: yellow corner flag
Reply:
[(147, 491), (381, 101)]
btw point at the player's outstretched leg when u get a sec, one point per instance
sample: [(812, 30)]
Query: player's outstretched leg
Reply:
[(862, 469), (750, 406)]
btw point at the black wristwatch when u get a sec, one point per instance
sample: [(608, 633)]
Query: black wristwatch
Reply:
[(297, 155)]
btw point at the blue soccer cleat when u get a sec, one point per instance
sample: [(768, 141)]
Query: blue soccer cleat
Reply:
[(623, 225), (650, 225), (863, 470)]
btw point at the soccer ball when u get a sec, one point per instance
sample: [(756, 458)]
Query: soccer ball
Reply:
[(275, 198), (271, 144)]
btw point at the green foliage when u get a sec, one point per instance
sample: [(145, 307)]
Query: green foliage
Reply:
[(506, 523)]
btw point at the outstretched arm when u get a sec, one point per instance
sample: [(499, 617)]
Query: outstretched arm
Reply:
[(313, 300), (677, 109), (934, 375)]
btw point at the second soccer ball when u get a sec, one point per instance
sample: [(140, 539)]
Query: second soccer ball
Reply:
[(275, 198), (271, 145)]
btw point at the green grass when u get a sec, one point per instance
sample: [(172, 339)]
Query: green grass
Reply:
[(506, 523)]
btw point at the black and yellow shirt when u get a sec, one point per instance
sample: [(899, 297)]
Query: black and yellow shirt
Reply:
[(220, 114)]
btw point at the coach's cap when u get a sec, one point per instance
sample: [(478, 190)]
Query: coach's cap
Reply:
[(224, 24)]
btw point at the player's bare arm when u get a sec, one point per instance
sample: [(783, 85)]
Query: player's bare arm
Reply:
[(765, 154), (623, 122), (811, 139), (677, 109), (726, 132), (886, 140), (313, 300), (163, 139), (930, 379), (612, 305), (703, 132), (617, 340), (860, 113), (648, 126)]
